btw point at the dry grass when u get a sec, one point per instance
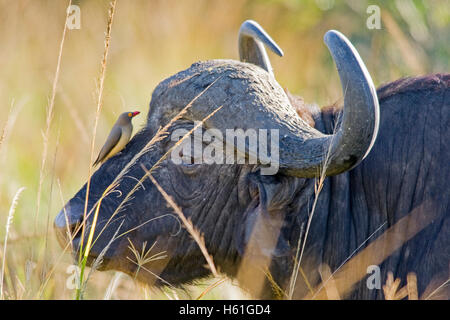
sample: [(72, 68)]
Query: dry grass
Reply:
[(48, 121), (12, 210), (5, 128), (302, 239), (328, 282), (97, 116), (195, 234), (151, 41), (144, 257), (391, 288), (376, 252)]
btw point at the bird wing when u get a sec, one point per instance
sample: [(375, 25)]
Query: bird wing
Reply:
[(111, 142)]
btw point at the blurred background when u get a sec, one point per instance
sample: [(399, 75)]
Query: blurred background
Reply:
[(152, 40)]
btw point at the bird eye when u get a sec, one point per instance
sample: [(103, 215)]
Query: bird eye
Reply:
[(130, 114)]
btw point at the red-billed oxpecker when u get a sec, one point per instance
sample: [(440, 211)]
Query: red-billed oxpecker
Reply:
[(118, 137)]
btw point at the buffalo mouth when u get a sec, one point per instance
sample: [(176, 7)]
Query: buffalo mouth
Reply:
[(68, 226)]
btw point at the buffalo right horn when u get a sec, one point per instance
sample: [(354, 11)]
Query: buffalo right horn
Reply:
[(358, 128)]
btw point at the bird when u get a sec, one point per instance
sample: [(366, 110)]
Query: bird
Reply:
[(118, 137)]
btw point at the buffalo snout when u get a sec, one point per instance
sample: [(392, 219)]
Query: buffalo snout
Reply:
[(68, 223)]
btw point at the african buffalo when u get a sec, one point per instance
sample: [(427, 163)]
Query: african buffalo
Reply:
[(386, 187)]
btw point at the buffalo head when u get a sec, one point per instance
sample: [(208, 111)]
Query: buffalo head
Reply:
[(221, 199)]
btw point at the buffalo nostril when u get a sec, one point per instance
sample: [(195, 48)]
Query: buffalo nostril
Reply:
[(75, 229), (68, 224)]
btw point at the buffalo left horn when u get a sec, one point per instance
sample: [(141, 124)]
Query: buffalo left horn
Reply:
[(252, 38)]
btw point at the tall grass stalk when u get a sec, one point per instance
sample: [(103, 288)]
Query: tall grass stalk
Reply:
[(49, 118), (317, 190), (97, 114), (82, 260), (212, 286), (112, 286), (47, 226), (13, 113), (9, 221), (98, 260), (443, 285), (5, 127), (89, 242)]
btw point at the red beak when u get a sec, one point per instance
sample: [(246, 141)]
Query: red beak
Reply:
[(135, 113)]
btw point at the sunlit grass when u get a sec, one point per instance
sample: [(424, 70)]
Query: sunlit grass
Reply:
[(151, 41)]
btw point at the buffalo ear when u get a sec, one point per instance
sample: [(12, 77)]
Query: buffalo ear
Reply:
[(260, 233)]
